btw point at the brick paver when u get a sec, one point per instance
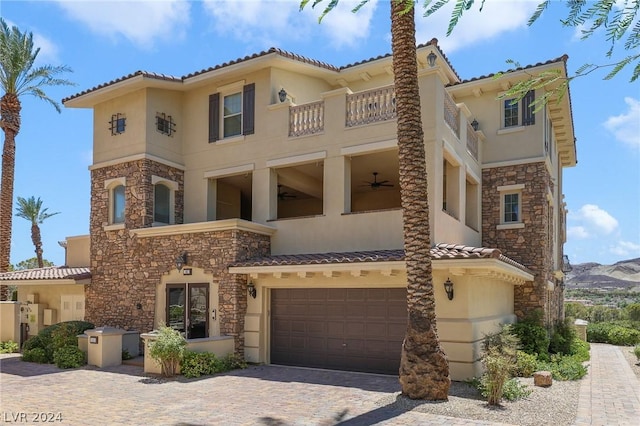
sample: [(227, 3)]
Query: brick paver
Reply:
[(264, 395)]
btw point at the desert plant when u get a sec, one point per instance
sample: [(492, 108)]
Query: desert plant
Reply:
[(636, 352), (564, 367), (499, 360), (580, 349), (68, 357), (8, 347), (526, 364), (168, 350), (35, 355), (562, 337), (196, 364), (533, 336)]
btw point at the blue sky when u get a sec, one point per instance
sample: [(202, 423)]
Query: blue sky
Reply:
[(104, 40)]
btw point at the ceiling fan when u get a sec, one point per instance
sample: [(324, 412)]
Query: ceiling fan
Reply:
[(283, 195), (375, 184)]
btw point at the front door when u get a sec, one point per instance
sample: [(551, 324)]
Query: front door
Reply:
[(188, 309)]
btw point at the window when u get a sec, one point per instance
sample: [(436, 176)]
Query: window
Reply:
[(117, 201), (237, 115), (118, 124), (165, 124), (163, 200), (188, 309), (511, 206), (511, 111)]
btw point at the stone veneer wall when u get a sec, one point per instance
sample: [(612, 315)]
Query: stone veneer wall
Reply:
[(531, 245), (126, 269)]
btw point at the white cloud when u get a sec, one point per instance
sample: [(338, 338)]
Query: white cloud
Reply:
[(269, 22), (626, 126), (141, 22), (577, 232), (474, 27), (596, 219), (625, 248)]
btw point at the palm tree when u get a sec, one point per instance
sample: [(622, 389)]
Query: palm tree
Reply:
[(31, 210), (424, 369), (18, 77)]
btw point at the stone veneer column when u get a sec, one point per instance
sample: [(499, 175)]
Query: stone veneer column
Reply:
[(126, 269), (530, 245)]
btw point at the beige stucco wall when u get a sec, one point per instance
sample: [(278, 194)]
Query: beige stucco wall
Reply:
[(479, 307), (78, 251), (9, 321), (49, 295)]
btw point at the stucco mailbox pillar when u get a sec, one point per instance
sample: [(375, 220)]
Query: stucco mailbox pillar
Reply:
[(104, 347), (581, 329)]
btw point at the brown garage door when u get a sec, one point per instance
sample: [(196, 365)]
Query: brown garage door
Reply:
[(341, 329)]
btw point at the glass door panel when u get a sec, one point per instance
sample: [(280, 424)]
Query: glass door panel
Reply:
[(198, 311), (176, 307)]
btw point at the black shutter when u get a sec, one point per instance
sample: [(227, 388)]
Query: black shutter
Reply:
[(214, 117), (248, 108), (528, 116)]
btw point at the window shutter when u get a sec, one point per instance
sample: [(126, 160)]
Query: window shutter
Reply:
[(214, 117), (528, 116), (248, 108)]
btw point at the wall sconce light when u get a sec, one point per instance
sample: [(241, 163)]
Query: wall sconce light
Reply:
[(448, 287), (431, 59), (251, 288), (282, 95), (474, 124), (181, 260)]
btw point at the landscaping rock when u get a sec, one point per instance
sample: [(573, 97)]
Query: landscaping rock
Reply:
[(542, 379)]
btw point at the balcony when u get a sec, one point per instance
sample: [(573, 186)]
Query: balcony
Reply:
[(375, 106)]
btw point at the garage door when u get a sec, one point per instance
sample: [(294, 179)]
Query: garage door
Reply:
[(341, 329)]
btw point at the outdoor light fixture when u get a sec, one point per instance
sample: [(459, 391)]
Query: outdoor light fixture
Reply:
[(251, 288), (431, 59), (448, 287), (282, 94), (474, 124), (181, 260)]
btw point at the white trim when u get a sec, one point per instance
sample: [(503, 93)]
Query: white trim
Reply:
[(230, 139), (113, 227), (367, 148), (297, 159), (470, 173), (449, 154), (229, 171), (514, 225), (516, 187), (342, 91), (514, 162), (112, 183), (171, 184), (213, 226), (47, 282), (508, 130), (136, 157)]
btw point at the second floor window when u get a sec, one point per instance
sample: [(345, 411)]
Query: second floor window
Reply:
[(117, 204), (519, 113), (511, 208), (165, 124), (510, 113), (161, 204), (117, 124), (232, 114)]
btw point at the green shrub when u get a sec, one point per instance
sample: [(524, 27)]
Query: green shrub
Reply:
[(526, 364), (580, 349), (562, 337), (636, 352), (612, 333), (35, 355), (511, 391), (126, 355), (533, 336), (8, 347), (68, 357), (499, 360), (56, 336), (196, 364), (233, 362), (32, 343), (168, 349), (564, 367)]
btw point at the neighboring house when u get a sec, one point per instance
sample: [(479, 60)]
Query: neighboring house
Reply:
[(258, 200), (47, 295)]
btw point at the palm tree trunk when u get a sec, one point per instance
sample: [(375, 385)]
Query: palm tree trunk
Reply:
[(10, 122), (36, 238), (424, 369)]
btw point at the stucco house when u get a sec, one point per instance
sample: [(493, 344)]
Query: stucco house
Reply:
[(257, 201)]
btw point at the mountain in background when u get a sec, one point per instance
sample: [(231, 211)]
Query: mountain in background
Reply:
[(623, 275)]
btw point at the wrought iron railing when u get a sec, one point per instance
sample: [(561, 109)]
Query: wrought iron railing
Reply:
[(452, 114), (472, 141)]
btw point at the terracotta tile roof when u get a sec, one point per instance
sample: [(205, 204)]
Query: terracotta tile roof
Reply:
[(438, 252), (562, 58), (49, 273)]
